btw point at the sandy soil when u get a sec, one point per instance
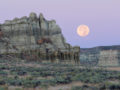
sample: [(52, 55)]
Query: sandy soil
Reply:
[(113, 68), (69, 86), (57, 87)]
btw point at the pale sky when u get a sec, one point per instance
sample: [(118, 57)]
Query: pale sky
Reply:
[(102, 17)]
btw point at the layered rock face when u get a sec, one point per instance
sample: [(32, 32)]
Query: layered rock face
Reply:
[(108, 58), (101, 56), (24, 33)]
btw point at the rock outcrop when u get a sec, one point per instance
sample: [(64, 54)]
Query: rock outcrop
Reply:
[(101, 56), (31, 33), (109, 58)]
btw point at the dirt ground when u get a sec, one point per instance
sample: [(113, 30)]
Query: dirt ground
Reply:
[(113, 68), (57, 87), (69, 86)]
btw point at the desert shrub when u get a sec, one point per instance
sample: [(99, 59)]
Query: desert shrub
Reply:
[(76, 88), (15, 68), (13, 73), (46, 73), (31, 83), (3, 67), (48, 82), (110, 86), (3, 61), (2, 82), (62, 80), (92, 76), (19, 89), (30, 78), (3, 87), (16, 77), (35, 74), (15, 82), (18, 70), (35, 83), (61, 74), (52, 82), (3, 73), (44, 85), (22, 72), (26, 83), (84, 87), (114, 87), (42, 73), (30, 69), (78, 77)]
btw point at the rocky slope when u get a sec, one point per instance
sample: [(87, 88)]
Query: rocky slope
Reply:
[(101, 56)]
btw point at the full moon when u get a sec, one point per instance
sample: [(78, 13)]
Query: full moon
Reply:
[(83, 30)]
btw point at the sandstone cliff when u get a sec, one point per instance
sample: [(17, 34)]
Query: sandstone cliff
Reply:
[(24, 33), (35, 38), (101, 56)]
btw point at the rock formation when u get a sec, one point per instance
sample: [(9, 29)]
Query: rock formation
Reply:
[(32, 33), (108, 58), (101, 56)]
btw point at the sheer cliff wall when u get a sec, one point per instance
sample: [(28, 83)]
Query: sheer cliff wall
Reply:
[(38, 35), (101, 56), (26, 31)]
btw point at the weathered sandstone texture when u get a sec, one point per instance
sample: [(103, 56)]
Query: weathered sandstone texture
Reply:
[(101, 56), (33, 33)]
